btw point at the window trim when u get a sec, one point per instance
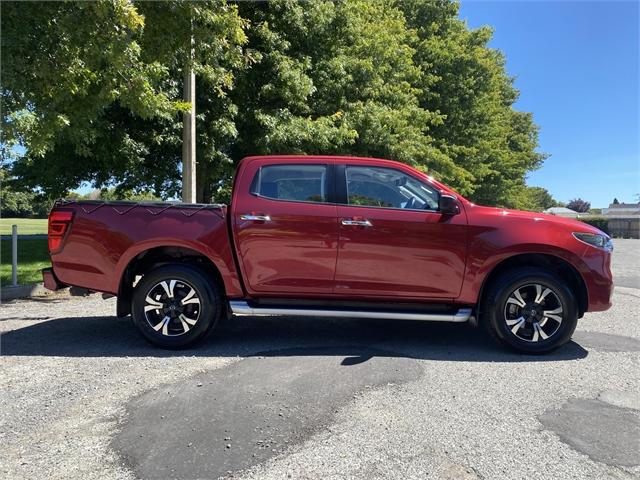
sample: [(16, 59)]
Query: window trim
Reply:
[(329, 183), (343, 194)]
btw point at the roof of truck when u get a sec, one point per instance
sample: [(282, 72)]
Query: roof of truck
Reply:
[(342, 158), (348, 158)]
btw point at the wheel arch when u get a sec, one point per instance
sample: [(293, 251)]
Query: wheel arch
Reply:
[(560, 266), (146, 259)]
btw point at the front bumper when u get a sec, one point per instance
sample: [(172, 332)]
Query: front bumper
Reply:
[(599, 282), (51, 282)]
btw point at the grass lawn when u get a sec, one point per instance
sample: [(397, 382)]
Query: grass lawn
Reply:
[(26, 226), (33, 255)]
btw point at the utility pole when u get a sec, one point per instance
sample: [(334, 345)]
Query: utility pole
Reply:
[(189, 139), (189, 129)]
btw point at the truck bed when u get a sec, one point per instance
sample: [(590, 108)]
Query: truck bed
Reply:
[(113, 233)]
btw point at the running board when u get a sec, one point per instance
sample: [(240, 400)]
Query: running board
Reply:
[(240, 307)]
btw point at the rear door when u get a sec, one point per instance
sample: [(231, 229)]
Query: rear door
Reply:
[(393, 240), (285, 226)]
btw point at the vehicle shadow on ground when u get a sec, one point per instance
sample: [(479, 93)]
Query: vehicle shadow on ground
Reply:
[(356, 339)]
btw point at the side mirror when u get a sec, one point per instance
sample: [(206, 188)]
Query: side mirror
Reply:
[(448, 205)]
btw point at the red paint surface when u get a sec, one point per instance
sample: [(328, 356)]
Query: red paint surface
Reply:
[(305, 251)]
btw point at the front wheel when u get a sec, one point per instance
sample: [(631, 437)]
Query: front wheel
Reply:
[(176, 305), (530, 310)]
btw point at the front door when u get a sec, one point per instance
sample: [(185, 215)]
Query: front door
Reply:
[(285, 230), (393, 242)]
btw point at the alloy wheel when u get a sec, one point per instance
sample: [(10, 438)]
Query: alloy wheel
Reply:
[(172, 307), (533, 312)]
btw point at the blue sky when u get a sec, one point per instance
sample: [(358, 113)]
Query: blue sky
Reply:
[(576, 66)]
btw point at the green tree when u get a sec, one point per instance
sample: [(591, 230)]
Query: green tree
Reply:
[(535, 199), (64, 62), (579, 205), (465, 81), (369, 78), (333, 78), (21, 203), (93, 89), (401, 80)]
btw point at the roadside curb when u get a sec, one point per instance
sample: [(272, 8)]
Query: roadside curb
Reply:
[(25, 236), (24, 291)]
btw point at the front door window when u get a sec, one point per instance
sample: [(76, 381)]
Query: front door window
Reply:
[(388, 188)]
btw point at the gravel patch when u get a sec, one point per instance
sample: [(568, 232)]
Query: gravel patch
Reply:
[(607, 433)]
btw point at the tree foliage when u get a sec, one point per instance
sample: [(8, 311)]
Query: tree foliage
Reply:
[(579, 205), (93, 91), (65, 62), (20, 203), (597, 221), (535, 199)]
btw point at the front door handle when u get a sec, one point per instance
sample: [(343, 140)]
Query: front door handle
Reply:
[(350, 222), (256, 218)]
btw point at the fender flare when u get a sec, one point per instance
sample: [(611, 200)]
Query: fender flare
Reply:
[(486, 270), (145, 245)]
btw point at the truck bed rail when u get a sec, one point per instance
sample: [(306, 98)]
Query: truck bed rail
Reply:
[(154, 208)]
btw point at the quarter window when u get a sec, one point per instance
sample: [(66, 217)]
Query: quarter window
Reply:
[(301, 183), (388, 188)]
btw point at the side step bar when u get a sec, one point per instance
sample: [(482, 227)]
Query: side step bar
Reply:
[(240, 307)]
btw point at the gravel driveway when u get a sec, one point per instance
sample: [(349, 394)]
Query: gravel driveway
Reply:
[(83, 396)]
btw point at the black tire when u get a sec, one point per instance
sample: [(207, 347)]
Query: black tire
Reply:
[(188, 323), (503, 312)]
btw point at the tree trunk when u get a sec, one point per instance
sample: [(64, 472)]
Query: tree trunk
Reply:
[(203, 192)]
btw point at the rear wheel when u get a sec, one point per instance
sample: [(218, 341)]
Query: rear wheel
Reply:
[(176, 305), (530, 310)]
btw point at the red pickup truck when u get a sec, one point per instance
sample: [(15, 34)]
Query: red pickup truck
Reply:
[(334, 237)]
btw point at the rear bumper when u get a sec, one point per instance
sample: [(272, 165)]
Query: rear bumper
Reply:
[(51, 282)]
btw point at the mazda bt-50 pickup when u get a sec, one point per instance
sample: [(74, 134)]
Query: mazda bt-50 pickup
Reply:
[(346, 237)]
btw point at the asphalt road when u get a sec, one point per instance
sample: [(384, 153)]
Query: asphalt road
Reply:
[(83, 396)]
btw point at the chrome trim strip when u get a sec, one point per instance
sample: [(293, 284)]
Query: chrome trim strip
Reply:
[(240, 307)]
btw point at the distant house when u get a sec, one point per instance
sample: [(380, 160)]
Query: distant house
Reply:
[(562, 212), (622, 210), (624, 219)]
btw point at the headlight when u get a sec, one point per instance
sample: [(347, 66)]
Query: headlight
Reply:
[(595, 240)]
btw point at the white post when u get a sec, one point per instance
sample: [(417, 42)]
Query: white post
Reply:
[(14, 255)]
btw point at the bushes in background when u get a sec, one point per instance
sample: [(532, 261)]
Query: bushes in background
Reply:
[(599, 222)]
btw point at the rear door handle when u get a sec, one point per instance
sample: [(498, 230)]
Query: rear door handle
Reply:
[(350, 222), (256, 218)]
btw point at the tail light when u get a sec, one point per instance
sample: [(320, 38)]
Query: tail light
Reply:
[(59, 223)]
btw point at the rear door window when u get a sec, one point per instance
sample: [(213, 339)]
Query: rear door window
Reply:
[(294, 183)]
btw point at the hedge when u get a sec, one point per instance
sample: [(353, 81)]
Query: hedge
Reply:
[(599, 222)]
